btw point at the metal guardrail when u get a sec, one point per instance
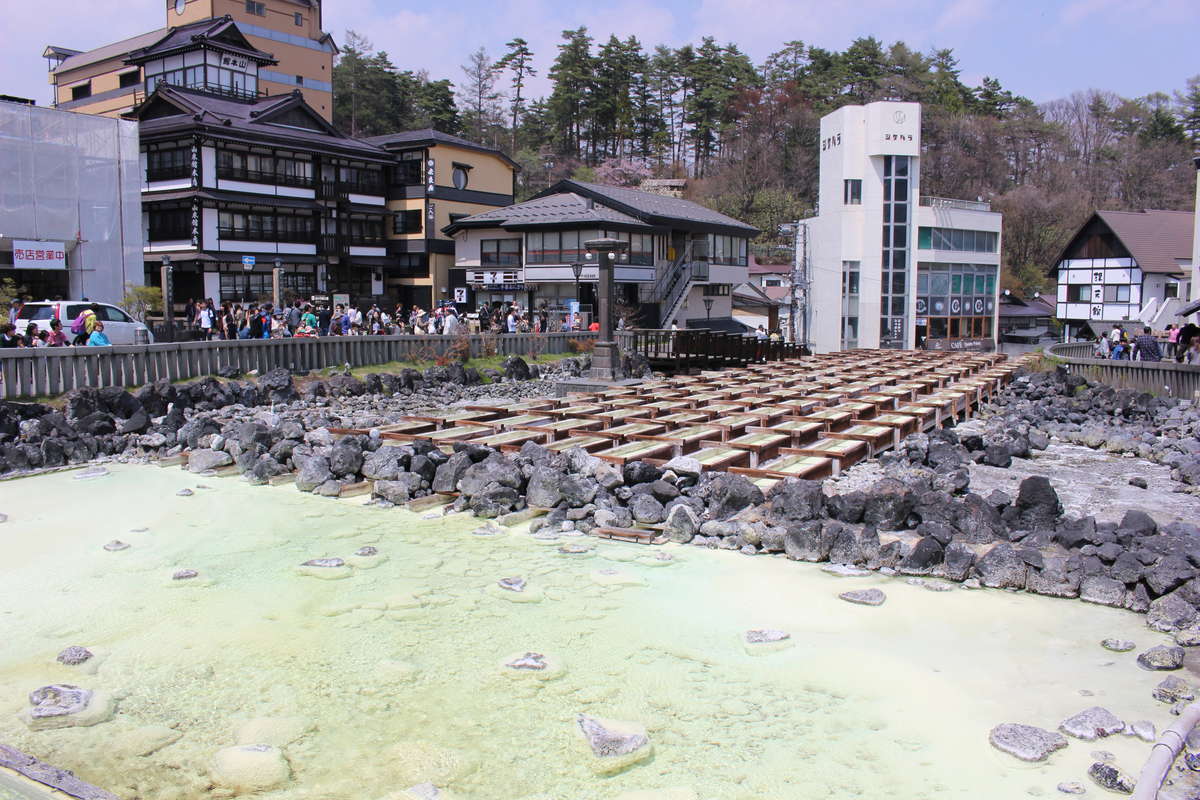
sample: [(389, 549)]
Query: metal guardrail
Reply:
[(50, 371), (949, 202), (1157, 377)]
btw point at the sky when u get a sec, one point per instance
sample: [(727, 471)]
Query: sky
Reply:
[(1041, 49)]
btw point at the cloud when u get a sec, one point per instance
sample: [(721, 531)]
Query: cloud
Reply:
[(963, 13)]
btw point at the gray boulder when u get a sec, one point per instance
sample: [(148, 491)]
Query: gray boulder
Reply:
[(1170, 572), (1091, 724), (493, 469), (1171, 612), (957, 561), (646, 509), (386, 463), (864, 597), (1109, 777), (545, 487), (1102, 591), (400, 490), (346, 458), (203, 460), (1002, 568), (1037, 503), (1025, 741), (726, 494), (448, 475), (1172, 690), (313, 472), (1162, 657), (682, 524), (795, 500)]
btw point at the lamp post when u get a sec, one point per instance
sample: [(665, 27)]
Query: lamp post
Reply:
[(577, 270), (167, 292), (708, 303), (604, 356)]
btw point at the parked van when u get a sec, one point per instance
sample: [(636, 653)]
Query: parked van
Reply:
[(119, 326)]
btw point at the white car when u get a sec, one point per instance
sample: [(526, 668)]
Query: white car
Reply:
[(118, 326)]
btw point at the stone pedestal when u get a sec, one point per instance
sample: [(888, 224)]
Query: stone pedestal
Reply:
[(606, 361)]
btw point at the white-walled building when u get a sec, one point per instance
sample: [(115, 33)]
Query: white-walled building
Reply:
[(888, 267), (70, 208), (1125, 267), (680, 254)]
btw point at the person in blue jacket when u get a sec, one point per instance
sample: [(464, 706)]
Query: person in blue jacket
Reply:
[(98, 339)]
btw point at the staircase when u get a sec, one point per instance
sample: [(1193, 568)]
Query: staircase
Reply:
[(671, 288)]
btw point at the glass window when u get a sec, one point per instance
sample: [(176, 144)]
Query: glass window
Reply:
[(570, 248), (460, 177), (925, 237), (298, 18), (852, 192), (500, 252), (898, 280), (899, 236), (898, 306)]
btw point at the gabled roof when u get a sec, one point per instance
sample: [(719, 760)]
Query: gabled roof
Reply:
[(655, 209), (253, 119), (1158, 240), (429, 137), (221, 32), (1013, 305), (556, 209), (105, 52)]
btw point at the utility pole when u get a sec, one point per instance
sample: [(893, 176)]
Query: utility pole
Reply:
[(798, 313)]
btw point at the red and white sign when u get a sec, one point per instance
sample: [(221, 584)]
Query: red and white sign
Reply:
[(39, 255)]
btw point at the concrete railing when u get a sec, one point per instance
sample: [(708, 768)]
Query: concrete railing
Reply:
[(1158, 377), (48, 371)]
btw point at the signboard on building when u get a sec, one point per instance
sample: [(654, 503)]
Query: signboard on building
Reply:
[(460, 294), (248, 262), (430, 175), (341, 299), (959, 344), (39, 255)]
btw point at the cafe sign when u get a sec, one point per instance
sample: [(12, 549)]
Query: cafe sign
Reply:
[(39, 255)]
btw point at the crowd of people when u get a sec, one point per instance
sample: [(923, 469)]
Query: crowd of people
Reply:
[(87, 329), (299, 318), (1182, 344)]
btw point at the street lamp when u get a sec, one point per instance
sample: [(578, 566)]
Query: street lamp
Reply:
[(167, 292), (708, 303), (605, 252), (577, 270), (276, 284)]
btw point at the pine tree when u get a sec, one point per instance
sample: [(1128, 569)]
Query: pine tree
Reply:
[(479, 94), (519, 61), (1188, 106), (573, 75)]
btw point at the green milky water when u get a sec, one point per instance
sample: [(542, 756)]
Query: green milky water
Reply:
[(396, 670)]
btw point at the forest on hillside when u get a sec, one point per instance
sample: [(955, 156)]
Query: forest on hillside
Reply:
[(746, 135)]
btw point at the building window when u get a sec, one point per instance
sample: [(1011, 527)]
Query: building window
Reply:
[(716, 290), (1115, 294), (362, 231), (361, 180), (956, 240), (852, 192), (851, 277), (170, 224), (127, 79), (1170, 289), (406, 222), (956, 301), (299, 19), (413, 265), (259, 226), (299, 80), (773, 282), (460, 176), (1079, 293), (257, 9), (81, 91), (165, 165), (894, 259), (729, 250), (500, 252)]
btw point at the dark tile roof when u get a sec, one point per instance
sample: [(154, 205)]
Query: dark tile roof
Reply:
[(221, 30), (653, 208), (424, 137), (555, 209), (1156, 239), (250, 118)]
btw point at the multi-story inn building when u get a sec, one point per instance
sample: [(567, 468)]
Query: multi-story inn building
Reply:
[(1122, 267), (682, 262), (70, 209), (436, 179), (105, 81), (889, 267), (236, 185)]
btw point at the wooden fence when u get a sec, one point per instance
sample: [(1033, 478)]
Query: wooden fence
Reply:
[(50, 371), (1159, 377)]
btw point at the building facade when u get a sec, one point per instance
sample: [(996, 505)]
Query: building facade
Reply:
[(436, 179), (1122, 267), (889, 267), (104, 81), (237, 186), (70, 204), (680, 267)]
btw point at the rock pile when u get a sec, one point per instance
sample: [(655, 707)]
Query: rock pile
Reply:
[(162, 418)]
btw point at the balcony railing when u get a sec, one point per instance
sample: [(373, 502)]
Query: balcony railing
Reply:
[(964, 205), (363, 240), (170, 232), (264, 176), (262, 235), (341, 190)]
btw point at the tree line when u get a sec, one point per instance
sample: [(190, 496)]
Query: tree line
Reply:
[(746, 135)]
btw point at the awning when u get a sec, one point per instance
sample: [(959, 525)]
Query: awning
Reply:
[(1190, 308)]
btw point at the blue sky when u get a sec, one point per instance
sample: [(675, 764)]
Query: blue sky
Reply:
[(1043, 50)]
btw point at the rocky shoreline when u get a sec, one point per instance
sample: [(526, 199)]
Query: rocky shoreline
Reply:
[(910, 512)]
